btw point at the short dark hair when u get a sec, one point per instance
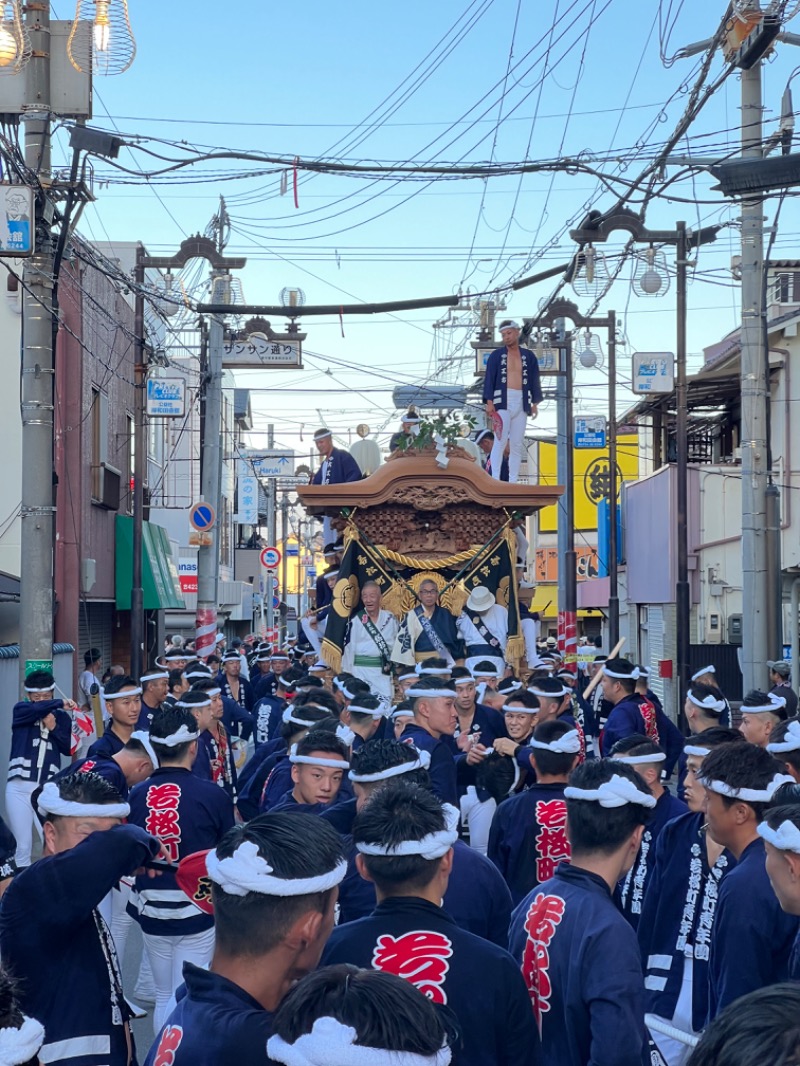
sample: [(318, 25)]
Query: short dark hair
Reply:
[(702, 692), (459, 673), (620, 666), (135, 747), (762, 1026), (496, 774), (40, 679), (166, 721), (740, 766), (757, 698), (636, 744), (204, 684), (89, 788), (392, 815), (555, 763), (527, 699), (308, 713), (592, 828), (92, 655), (175, 679), (118, 683), (295, 845), (322, 740), (318, 698), (716, 735), (436, 662), (11, 1017), (386, 1011), (375, 756), (429, 687), (372, 705)]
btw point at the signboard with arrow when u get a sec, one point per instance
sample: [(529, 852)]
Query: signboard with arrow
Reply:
[(272, 463)]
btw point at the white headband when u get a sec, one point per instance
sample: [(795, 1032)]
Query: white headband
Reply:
[(198, 675), (402, 712), (541, 694), (144, 739), (434, 671), (183, 736), (18, 1046), (309, 760), (345, 734), (345, 691), (749, 795), (707, 703), (790, 742), (519, 710), (431, 693), (246, 871), (776, 703), (696, 749), (408, 675), (212, 692), (287, 716), (432, 846), (569, 744), (635, 760), (331, 1043), (422, 762), (198, 706), (509, 325), (122, 693), (614, 793), (634, 675), (463, 681), (786, 837), (50, 802), (159, 675), (29, 689), (705, 670), (373, 712)]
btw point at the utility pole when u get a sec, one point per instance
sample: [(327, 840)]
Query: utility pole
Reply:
[(284, 563), (271, 527), (37, 510), (138, 636), (755, 647), (683, 603), (210, 485)]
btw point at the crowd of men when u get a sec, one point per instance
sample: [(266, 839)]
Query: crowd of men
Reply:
[(418, 860)]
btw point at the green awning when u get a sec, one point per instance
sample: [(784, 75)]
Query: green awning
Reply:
[(160, 581)]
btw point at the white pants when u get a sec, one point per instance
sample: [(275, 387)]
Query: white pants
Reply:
[(477, 816), (21, 819), (167, 955), (514, 420), (120, 923)]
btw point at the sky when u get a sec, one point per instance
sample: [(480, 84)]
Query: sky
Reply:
[(449, 82)]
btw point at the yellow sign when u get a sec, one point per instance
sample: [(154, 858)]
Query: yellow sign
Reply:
[(591, 479)]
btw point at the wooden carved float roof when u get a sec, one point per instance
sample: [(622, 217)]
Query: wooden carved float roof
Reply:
[(415, 480)]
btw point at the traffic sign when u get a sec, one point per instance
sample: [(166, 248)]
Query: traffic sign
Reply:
[(276, 602), (202, 516), (270, 558)]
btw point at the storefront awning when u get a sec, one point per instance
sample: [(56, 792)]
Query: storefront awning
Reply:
[(160, 581)]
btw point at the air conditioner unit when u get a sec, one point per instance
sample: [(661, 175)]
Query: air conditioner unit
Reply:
[(110, 487)]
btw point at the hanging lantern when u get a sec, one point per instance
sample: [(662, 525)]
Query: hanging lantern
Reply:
[(112, 47), (15, 45)]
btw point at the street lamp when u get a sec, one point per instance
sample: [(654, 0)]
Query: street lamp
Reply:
[(192, 248), (598, 227)]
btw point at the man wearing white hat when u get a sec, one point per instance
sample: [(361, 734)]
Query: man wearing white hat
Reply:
[(409, 427), (368, 653), (511, 392), (338, 467), (483, 626)]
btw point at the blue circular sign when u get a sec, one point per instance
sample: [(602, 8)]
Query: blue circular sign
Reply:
[(202, 516)]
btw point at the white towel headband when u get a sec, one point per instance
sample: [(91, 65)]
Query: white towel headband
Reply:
[(183, 736), (432, 846), (29, 689), (422, 762), (614, 793), (193, 706), (569, 744), (696, 749), (786, 837), (541, 694), (705, 670), (776, 703), (122, 693), (144, 739), (310, 760), (330, 1043), (790, 742), (247, 871), (634, 675), (635, 760), (431, 693), (707, 703), (157, 675), (21, 1045), (50, 802), (751, 795)]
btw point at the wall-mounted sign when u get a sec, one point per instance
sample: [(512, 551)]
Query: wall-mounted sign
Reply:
[(16, 221), (653, 372), (166, 397)]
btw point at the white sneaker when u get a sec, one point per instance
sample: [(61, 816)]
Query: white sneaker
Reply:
[(138, 1012)]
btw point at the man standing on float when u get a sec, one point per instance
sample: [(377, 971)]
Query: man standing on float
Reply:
[(511, 392)]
